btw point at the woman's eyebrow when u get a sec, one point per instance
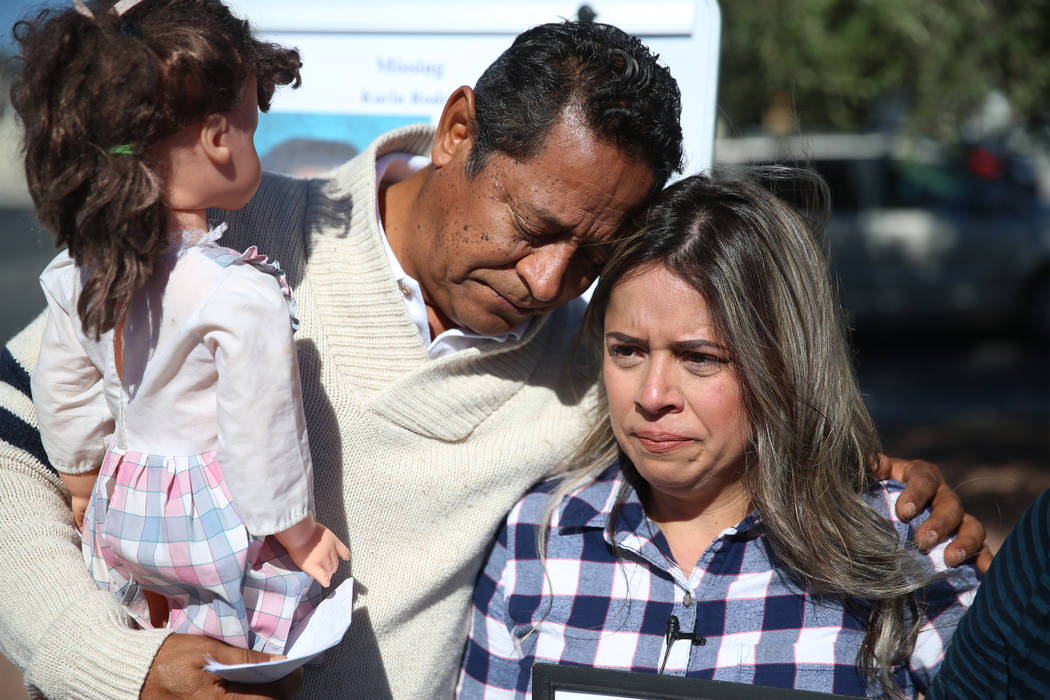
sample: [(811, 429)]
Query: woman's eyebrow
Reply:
[(698, 344), (623, 338)]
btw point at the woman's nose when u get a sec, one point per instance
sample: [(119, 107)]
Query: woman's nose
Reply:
[(659, 392)]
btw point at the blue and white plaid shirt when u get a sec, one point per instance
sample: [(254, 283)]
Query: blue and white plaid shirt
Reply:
[(608, 604)]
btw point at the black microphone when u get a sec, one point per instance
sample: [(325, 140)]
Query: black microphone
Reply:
[(673, 633)]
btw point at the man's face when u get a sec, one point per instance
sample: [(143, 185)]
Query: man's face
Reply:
[(522, 237)]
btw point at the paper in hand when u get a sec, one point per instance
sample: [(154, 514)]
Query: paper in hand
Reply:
[(320, 630)]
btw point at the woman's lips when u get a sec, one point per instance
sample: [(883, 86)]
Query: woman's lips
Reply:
[(661, 442)]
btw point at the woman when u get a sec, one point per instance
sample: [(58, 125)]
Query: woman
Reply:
[(721, 521)]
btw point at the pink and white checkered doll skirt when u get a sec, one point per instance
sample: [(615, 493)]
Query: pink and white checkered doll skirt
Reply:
[(168, 525)]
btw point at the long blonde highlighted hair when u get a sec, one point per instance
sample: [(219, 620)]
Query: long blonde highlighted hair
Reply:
[(765, 278)]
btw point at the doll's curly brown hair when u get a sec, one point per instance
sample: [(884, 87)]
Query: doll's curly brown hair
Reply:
[(89, 85)]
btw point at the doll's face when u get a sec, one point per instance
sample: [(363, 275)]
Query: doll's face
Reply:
[(244, 171), (213, 164)]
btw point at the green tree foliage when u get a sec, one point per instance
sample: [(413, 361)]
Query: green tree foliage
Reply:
[(838, 61)]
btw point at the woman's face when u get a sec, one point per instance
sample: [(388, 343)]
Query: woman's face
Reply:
[(674, 398)]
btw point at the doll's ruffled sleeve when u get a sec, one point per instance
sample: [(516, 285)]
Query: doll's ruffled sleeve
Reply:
[(66, 385), (263, 447)]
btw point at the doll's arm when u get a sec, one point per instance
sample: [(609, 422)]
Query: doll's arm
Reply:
[(80, 487), (313, 548), (67, 392), (263, 448)]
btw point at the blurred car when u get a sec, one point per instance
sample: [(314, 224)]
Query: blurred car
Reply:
[(921, 235)]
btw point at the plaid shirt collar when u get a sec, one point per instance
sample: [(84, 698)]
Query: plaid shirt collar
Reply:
[(593, 507)]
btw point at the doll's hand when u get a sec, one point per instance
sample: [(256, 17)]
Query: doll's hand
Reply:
[(314, 549), (80, 487), (79, 505), (323, 559)]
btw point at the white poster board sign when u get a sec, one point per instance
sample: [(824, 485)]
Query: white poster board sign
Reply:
[(370, 67)]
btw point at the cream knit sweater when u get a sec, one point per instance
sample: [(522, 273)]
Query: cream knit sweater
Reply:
[(415, 461)]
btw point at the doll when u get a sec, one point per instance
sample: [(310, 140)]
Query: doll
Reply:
[(167, 388)]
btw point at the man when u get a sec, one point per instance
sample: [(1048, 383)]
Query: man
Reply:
[(437, 277)]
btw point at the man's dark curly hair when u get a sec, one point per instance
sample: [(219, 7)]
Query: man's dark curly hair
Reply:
[(88, 85), (625, 96)]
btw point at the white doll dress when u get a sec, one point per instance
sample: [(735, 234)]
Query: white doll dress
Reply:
[(166, 521)]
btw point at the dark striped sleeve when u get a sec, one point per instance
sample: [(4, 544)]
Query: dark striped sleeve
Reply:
[(15, 429), (1002, 646)]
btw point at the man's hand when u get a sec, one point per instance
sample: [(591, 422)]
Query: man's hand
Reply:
[(178, 672), (924, 485)]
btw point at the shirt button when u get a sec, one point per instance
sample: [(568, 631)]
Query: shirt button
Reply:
[(405, 290), (687, 600)]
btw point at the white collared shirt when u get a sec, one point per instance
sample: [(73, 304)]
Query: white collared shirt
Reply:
[(395, 167)]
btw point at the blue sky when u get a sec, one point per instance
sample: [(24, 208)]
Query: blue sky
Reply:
[(13, 10)]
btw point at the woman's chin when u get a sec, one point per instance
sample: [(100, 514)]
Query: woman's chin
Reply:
[(683, 484)]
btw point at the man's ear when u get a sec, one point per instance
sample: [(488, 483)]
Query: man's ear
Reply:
[(455, 129), (214, 138)]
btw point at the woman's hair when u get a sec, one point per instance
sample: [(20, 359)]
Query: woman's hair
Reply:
[(96, 92), (810, 459)]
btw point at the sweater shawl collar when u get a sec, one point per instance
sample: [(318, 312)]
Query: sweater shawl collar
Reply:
[(366, 324)]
